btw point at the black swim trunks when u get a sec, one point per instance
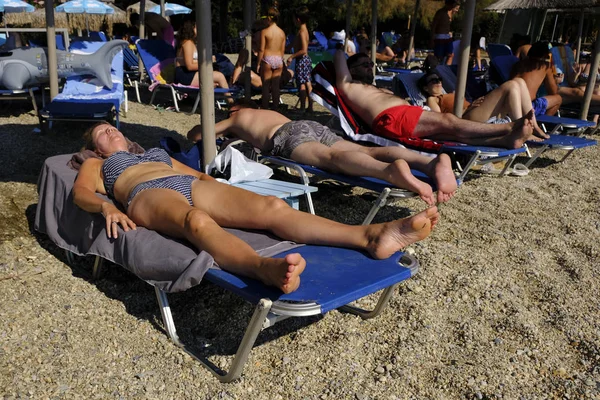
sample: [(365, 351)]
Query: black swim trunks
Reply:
[(294, 133)]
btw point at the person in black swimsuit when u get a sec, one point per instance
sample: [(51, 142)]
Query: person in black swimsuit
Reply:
[(158, 190)]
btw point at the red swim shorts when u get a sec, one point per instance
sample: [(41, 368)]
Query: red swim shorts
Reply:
[(397, 122)]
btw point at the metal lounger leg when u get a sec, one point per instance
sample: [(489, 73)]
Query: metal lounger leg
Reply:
[(33, 102), (174, 94), (567, 155), (380, 202), (137, 91), (507, 165), (383, 301), (241, 356), (154, 92), (196, 102), (469, 165), (97, 270), (536, 155)]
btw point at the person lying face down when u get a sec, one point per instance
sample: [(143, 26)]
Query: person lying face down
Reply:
[(393, 117), (159, 193), (311, 143), (508, 102)]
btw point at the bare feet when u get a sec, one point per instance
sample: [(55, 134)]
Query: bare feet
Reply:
[(283, 273), (387, 238), (537, 131), (442, 174), (521, 131), (400, 175)]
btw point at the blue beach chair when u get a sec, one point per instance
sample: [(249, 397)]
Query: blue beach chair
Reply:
[(82, 99), (156, 55), (334, 277)]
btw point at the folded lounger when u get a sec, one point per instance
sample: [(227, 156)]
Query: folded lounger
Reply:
[(333, 278), (82, 99), (325, 94), (158, 58), (555, 124)]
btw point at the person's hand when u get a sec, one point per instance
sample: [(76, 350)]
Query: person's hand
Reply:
[(288, 61), (114, 217)]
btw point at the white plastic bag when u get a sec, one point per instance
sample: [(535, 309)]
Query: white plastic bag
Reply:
[(242, 168)]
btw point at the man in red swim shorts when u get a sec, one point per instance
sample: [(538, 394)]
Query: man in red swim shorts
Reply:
[(392, 117)]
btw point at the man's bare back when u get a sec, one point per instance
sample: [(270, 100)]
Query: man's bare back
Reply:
[(256, 127), (533, 79)]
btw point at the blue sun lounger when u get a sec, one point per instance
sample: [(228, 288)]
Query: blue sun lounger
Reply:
[(157, 55), (325, 94), (334, 277), (82, 99)]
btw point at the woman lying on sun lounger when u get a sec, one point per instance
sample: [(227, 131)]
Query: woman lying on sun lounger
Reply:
[(159, 193), (504, 104)]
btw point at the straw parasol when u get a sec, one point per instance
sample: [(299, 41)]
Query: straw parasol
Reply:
[(541, 4), (37, 19), (135, 8)]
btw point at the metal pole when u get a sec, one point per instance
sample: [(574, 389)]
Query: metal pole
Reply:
[(502, 26), (579, 36), (51, 52), (463, 61), (539, 33), (348, 23), (413, 27), (374, 33), (205, 73), (248, 46), (589, 89), (554, 29), (142, 19), (162, 8)]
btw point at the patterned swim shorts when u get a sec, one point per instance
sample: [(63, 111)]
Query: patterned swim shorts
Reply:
[(294, 133)]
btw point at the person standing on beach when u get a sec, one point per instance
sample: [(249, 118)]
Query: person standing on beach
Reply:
[(441, 36), (270, 59), (303, 61)]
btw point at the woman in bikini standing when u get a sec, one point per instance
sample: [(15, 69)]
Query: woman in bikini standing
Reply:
[(270, 56)]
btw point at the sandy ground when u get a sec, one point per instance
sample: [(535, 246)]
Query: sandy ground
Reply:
[(506, 303)]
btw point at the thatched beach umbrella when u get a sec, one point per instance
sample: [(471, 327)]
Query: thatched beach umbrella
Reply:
[(135, 8), (541, 4)]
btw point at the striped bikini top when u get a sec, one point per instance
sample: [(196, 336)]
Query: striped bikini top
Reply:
[(119, 161)]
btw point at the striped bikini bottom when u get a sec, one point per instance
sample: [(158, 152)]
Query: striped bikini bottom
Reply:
[(179, 183)]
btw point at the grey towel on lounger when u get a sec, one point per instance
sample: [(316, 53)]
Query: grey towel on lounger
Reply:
[(169, 264)]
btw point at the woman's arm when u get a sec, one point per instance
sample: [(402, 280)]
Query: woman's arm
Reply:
[(87, 183), (189, 47), (433, 103)]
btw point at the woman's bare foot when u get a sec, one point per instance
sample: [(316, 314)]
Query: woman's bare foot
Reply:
[(387, 238), (400, 175), (442, 174), (283, 273), (521, 131)]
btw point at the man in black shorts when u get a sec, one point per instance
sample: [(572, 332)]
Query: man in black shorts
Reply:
[(309, 142)]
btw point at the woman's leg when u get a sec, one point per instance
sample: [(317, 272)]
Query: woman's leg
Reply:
[(219, 80), (168, 212), (275, 88), (265, 75), (504, 100), (237, 208)]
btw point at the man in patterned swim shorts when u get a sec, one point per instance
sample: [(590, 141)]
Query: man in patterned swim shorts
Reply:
[(392, 117), (309, 142)]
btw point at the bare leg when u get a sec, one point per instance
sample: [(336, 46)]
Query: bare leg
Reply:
[(219, 80), (384, 158), (308, 92), (237, 208), (168, 212), (302, 94), (356, 163), (265, 75), (275, 88), (449, 127)]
